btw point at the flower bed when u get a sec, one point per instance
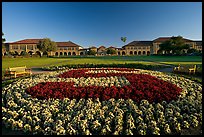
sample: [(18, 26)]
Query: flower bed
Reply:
[(126, 65), (104, 101), (106, 84)]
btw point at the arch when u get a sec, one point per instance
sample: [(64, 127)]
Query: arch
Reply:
[(73, 53), (56, 54), (81, 53), (118, 53), (139, 52), (30, 52), (148, 53), (45, 53), (38, 53), (123, 53), (131, 52), (144, 52), (65, 53), (69, 53), (22, 52), (16, 53), (61, 53), (135, 52)]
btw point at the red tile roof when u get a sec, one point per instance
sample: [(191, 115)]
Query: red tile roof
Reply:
[(162, 39), (27, 41), (139, 43), (112, 47), (101, 47), (36, 41), (67, 44)]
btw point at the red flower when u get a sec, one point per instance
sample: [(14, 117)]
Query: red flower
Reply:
[(142, 86)]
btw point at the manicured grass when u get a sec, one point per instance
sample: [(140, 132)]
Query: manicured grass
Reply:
[(145, 58), (29, 62), (183, 63), (40, 62)]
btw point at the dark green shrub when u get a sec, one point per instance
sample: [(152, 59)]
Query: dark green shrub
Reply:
[(129, 65)]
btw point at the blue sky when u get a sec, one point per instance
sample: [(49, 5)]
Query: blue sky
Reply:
[(101, 23)]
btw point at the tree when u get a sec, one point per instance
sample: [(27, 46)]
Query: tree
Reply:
[(175, 44), (192, 51), (91, 52), (166, 46), (123, 39), (111, 51), (46, 45), (3, 40)]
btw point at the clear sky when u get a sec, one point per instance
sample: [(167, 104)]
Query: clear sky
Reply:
[(101, 23)]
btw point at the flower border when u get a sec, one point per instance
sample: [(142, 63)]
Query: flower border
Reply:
[(85, 117)]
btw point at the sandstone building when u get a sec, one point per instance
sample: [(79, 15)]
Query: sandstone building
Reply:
[(71, 49)]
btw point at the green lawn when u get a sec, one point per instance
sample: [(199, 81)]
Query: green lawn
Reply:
[(40, 62), (145, 58)]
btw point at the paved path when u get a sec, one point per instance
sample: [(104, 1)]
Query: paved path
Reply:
[(37, 70), (170, 69)]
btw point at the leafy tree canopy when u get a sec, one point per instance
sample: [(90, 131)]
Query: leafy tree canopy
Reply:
[(175, 44), (123, 39), (46, 45), (91, 52), (111, 51), (3, 40)]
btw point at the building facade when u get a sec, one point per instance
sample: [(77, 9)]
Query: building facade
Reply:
[(101, 51), (68, 49), (134, 48), (137, 48)]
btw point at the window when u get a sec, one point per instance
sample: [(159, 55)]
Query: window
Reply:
[(30, 47), (72, 48), (35, 46), (23, 47), (15, 46)]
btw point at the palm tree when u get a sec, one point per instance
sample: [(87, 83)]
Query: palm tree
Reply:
[(3, 40), (123, 39)]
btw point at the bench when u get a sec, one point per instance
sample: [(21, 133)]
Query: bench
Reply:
[(192, 70), (185, 69), (15, 71)]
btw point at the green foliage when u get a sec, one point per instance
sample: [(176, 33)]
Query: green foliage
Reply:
[(12, 53), (123, 39), (46, 45), (175, 44), (192, 51), (126, 65), (91, 52), (25, 54), (111, 51), (147, 60), (3, 40), (36, 55)]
